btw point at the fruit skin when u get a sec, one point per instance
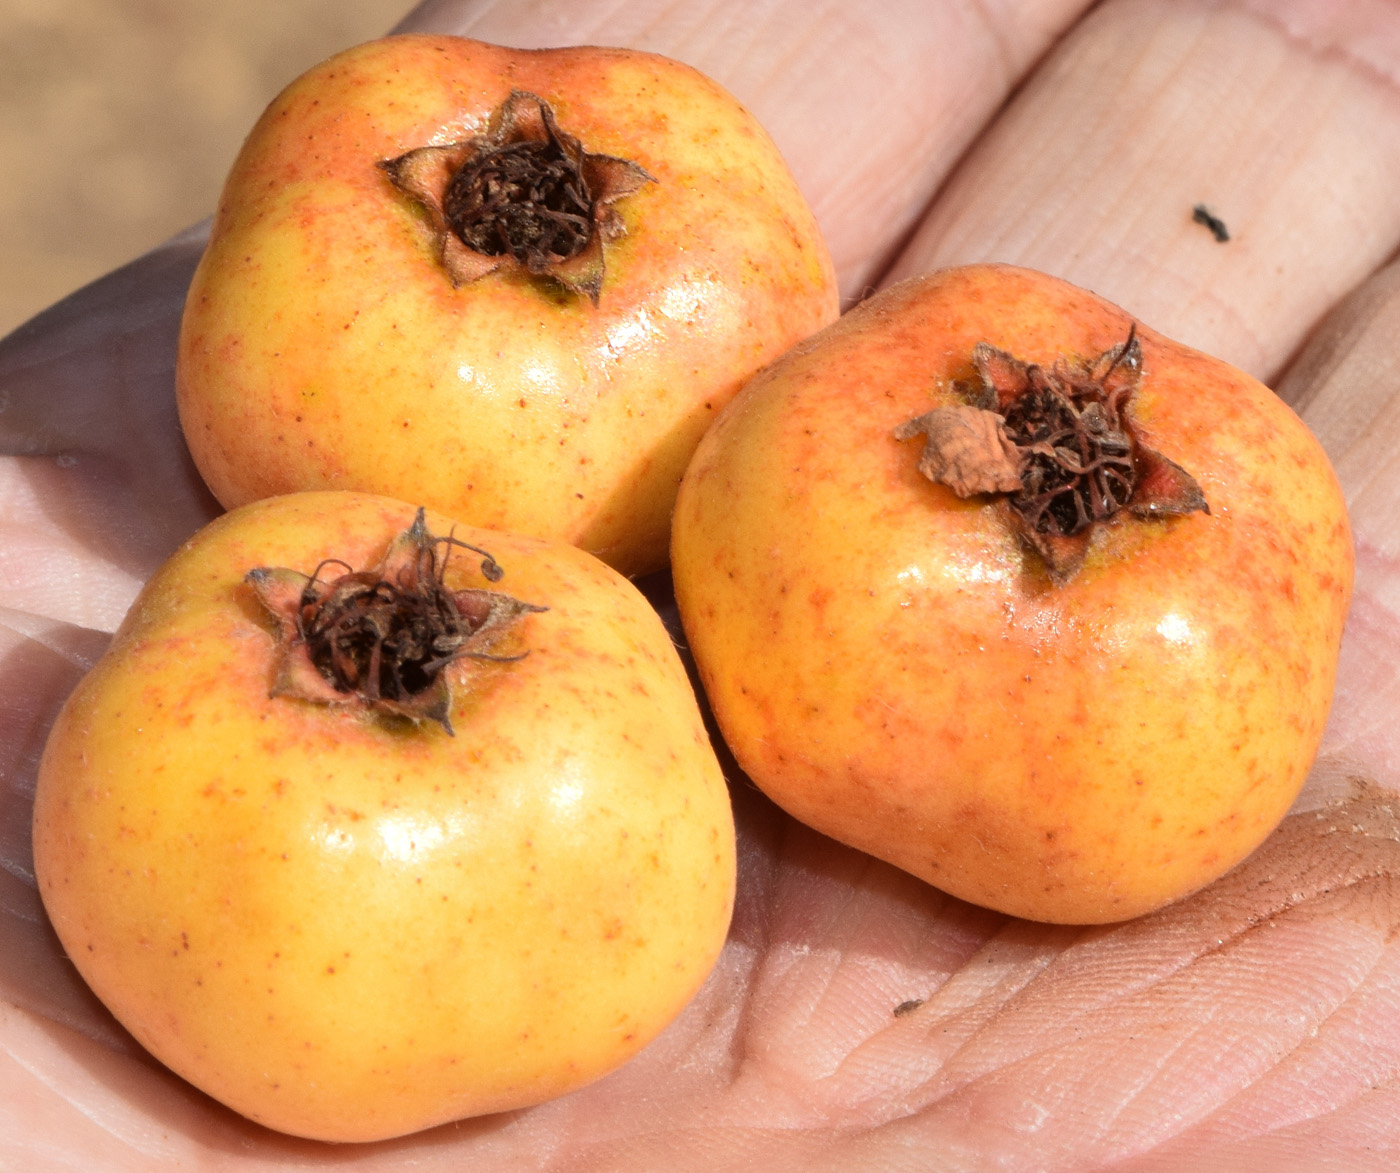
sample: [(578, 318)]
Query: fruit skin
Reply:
[(894, 668), (323, 346), (350, 929)]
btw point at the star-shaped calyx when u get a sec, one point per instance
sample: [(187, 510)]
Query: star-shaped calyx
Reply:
[(525, 195), (1059, 445), (380, 639)]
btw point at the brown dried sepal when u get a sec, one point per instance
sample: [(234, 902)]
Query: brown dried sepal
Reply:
[(967, 449), (380, 639), (1059, 445), (524, 196)]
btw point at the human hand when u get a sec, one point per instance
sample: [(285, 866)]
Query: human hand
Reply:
[(1253, 1025)]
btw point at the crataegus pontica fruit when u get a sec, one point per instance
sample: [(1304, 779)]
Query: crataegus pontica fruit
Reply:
[(364, 824), (513, 285), (1000, 586)]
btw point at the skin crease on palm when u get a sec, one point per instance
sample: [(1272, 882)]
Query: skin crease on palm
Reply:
[(1254, 1025)]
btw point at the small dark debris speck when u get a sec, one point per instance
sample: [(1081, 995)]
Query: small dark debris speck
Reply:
[(1203, 215)]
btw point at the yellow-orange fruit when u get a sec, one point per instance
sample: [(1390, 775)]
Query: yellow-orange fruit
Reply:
[(348, 926), (896, 666), (325, 345)]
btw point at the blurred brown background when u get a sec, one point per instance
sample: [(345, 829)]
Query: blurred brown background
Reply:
[(119, 118)]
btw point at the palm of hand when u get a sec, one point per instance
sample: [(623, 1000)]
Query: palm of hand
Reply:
[(858, 1018)]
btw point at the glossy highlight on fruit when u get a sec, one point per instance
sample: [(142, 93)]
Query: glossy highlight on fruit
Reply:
[(515, 286), (350, 921), (898, 658)]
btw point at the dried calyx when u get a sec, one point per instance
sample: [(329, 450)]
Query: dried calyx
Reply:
[(1059, 445), (525, 195), (381, 638)]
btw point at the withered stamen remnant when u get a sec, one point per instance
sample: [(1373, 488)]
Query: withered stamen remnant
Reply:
[(1059, 445), (529, 199), (526, 195), (382, 637), (1078, 462)]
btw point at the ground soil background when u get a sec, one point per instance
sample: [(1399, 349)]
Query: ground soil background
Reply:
[(119, 119)]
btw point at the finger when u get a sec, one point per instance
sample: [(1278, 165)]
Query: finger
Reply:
[(1346, 385), (41, 662), (1267, 117), (871, 104), (96, 485)]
